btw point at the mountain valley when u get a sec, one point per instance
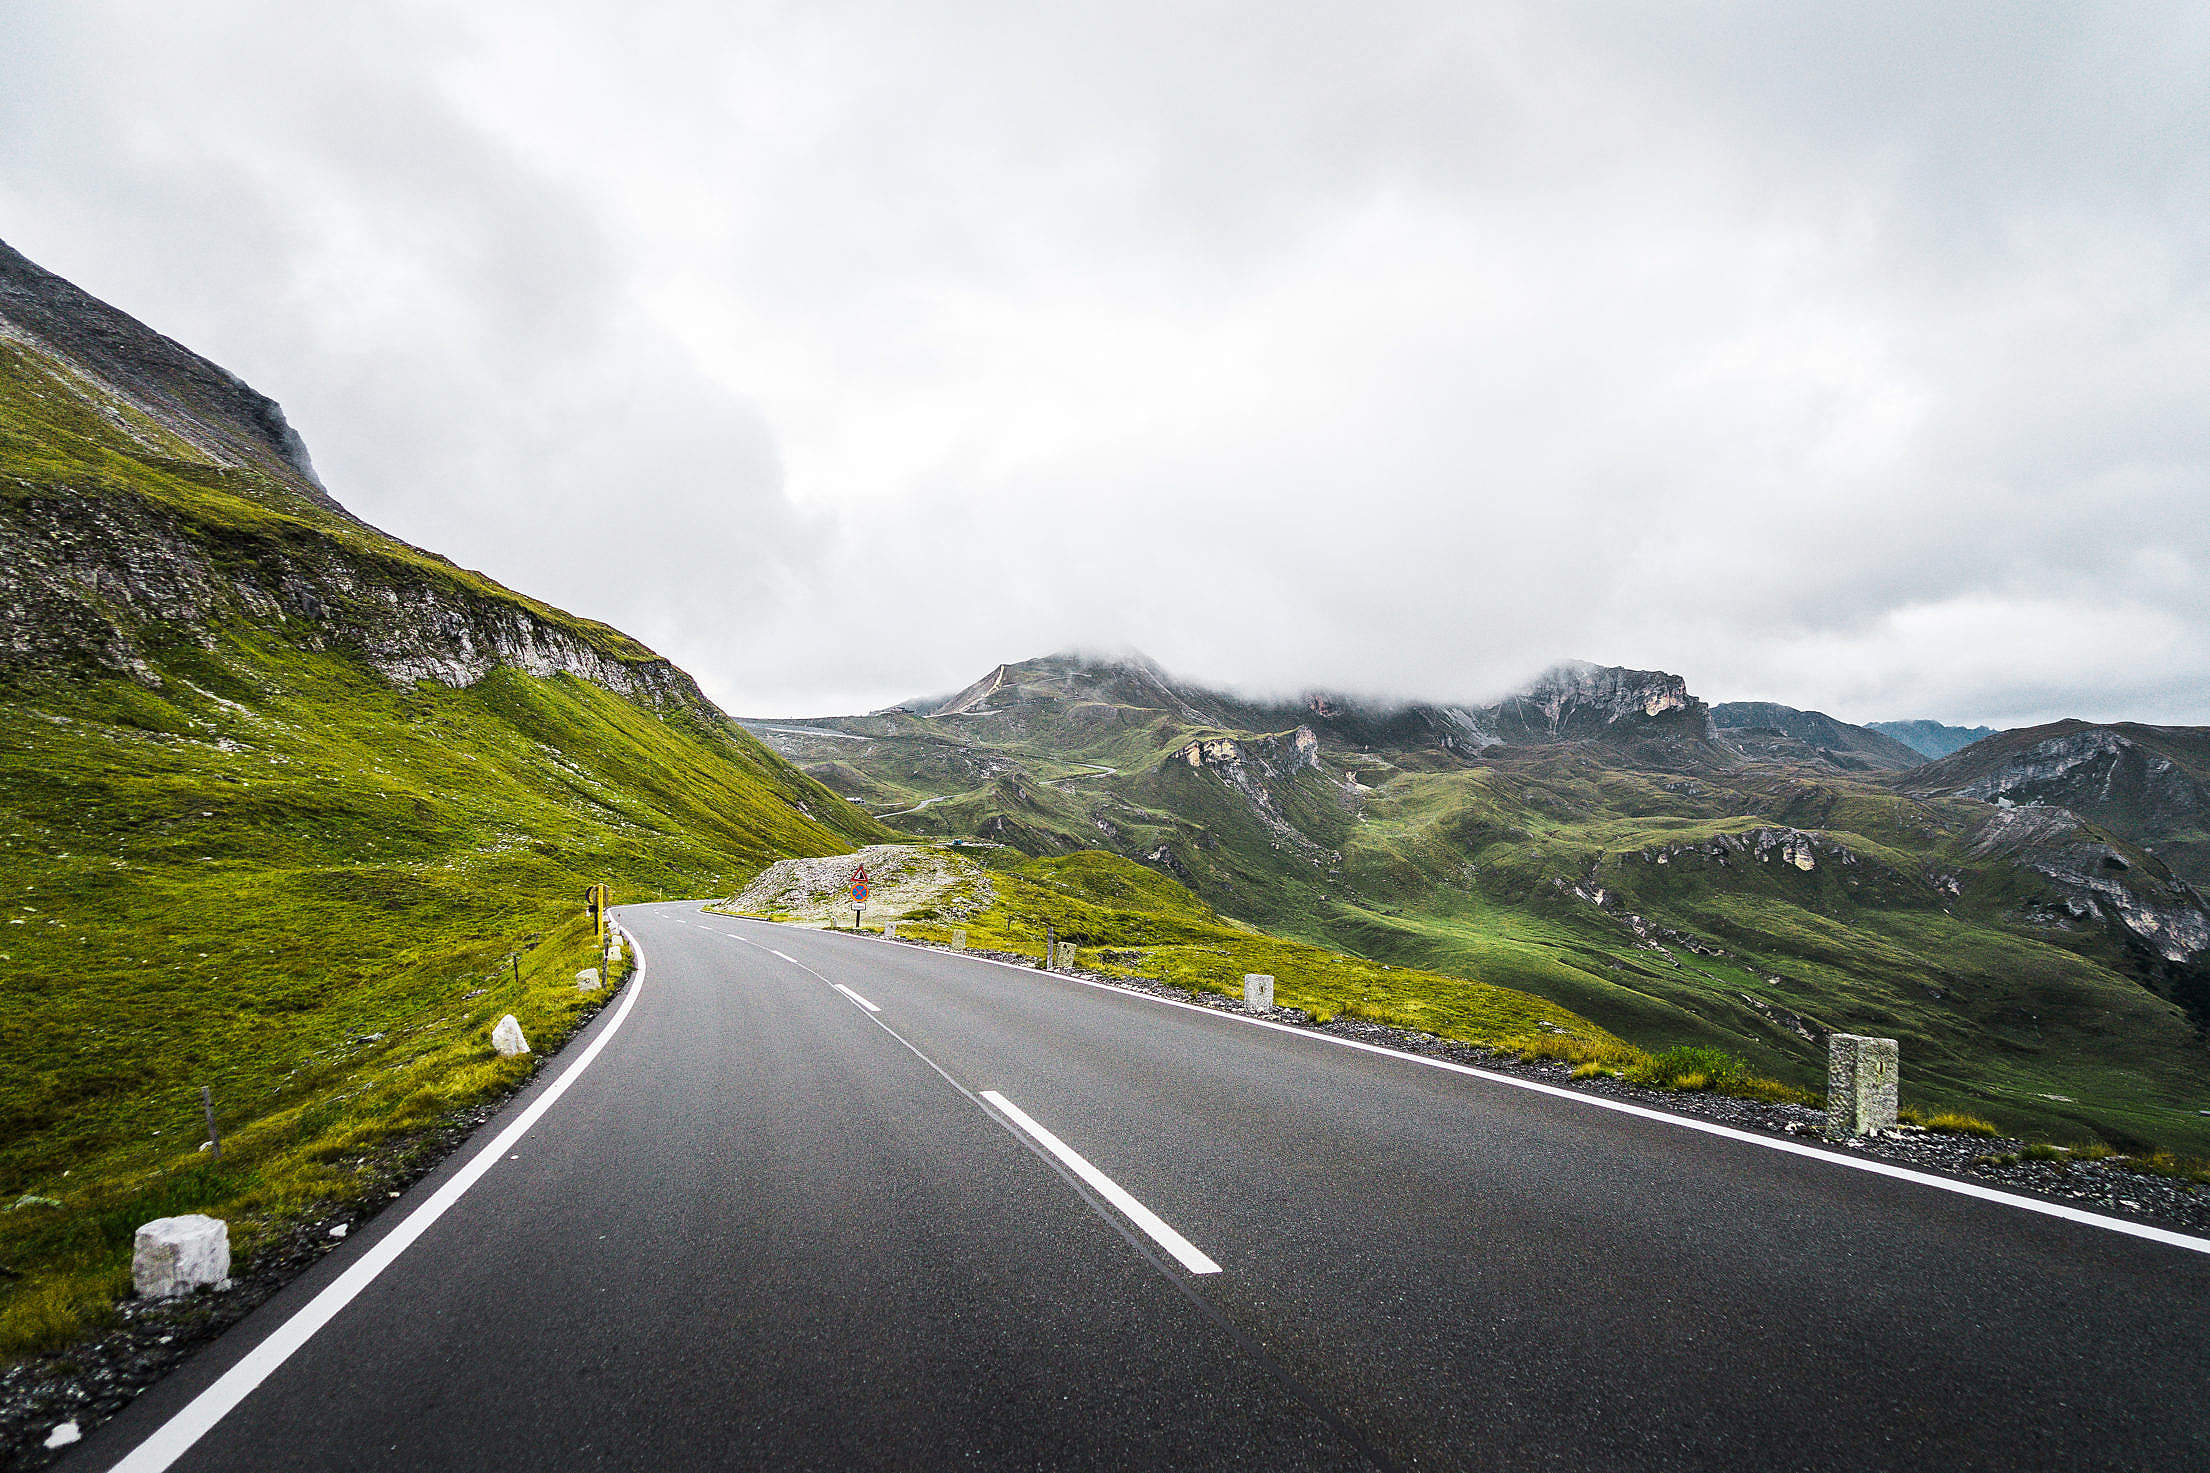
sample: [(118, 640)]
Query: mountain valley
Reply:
[(1748, 876)]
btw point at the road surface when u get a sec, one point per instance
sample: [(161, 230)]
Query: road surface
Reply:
[(821, 1201)]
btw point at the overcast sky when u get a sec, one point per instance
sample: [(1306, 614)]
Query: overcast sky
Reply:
[(1854, 356)]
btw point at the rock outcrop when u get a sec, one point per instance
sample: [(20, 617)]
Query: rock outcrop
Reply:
[(2148, 786), (1769, 731), (2097, 880), (146, 385), (173, 504)]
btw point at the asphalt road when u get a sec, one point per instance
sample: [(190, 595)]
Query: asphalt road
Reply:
[(767, 1226)]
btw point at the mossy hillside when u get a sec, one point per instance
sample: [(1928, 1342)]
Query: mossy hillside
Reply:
[(221, 881)]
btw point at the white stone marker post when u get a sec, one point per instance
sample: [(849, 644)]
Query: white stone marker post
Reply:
[(1258, 990), (1861, 1078), (507, 1038), (889, 930), (959, 940), (173, 1255), (587, 980)]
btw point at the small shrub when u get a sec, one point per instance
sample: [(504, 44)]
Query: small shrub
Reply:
[(2043, 1151), (1910, 1115), (1951, 1122)]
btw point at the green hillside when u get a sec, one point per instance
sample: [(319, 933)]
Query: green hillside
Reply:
[(1650, 877), (293, 811)]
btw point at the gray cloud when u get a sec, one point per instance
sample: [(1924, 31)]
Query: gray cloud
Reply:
[(1853, 358)]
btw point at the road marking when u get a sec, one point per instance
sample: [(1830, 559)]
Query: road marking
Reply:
[(1771, 1143), (1016, 1119), (173, 1438), (1143, 1217)]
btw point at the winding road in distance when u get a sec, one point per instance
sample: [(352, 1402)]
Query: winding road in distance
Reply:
[(820, 1201)]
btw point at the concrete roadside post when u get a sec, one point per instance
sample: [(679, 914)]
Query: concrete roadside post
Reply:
[(175, 1255), (1258, 990), (889, 930), (1862, 1075), (959, 940), (507, 1038)]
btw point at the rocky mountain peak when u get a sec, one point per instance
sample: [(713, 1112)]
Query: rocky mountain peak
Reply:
[(125, 369)]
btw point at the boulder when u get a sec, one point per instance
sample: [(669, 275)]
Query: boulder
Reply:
[(507, 1038), (587, 980), (174, 1255)]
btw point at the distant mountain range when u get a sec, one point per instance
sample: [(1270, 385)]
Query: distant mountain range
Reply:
[(2025, 917), (1931, 739)]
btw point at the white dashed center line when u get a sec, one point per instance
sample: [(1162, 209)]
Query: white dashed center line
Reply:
[(1153, 1225)]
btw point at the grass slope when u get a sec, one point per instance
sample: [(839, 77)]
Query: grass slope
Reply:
[(236, 851)]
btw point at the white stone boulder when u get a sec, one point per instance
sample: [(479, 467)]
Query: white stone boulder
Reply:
[(175, 1255), (587, 980), (507, 1038)]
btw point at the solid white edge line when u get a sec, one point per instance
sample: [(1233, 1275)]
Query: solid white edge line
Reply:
[(1185, 1252), (1771, 1143), (848, 992), (173, 1438)]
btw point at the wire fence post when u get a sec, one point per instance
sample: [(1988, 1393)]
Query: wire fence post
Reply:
[(207, 1107)]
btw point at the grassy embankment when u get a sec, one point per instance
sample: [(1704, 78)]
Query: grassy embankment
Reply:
[(241, 880)]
